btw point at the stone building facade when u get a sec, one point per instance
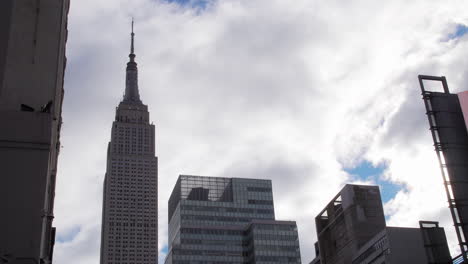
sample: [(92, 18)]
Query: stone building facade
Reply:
[(32, 67)]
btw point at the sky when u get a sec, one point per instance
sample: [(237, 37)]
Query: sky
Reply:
[(311, 94)]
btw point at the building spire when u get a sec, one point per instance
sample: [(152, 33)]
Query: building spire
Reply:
[(132, 48), (131, 83)]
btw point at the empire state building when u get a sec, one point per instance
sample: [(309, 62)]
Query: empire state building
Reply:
[(129, 231)]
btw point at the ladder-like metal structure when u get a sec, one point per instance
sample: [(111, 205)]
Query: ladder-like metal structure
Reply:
[(439, 148)]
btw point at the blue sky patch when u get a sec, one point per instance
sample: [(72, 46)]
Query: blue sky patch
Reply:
[(69, 235), (460, 31), (201, 4), (164, 250), (367, 172)]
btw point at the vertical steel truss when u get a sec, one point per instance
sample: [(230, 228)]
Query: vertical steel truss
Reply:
[(439, 147)]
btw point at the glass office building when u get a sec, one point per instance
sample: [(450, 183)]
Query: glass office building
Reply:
[(227, 220)]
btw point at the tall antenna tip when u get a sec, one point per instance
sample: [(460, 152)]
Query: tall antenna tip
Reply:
[(132, 49)]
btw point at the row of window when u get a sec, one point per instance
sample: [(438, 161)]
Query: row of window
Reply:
[(206, 252), (226, 209), (262, 202), (276, 227), (138, 170), (211, 231), (129, 250), (132, 171), (211, 242), (277, 259), (122, 243), (133, 201), (264, 257), (276, 248), (129, 161), (148, 216), (258, 189), (128, 198), (273, 238), (125, 238), (130, 187), (132, 224), (216, 218)]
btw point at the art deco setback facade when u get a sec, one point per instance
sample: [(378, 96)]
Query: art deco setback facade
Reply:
[(130, 201), (32, 64), (227, 220)]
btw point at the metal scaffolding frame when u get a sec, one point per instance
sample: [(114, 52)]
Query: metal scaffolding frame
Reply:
[(439, 148)]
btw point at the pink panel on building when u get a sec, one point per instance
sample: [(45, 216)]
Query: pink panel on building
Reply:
[(463, 98)]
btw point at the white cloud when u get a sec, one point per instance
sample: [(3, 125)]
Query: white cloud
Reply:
[(290, 91)]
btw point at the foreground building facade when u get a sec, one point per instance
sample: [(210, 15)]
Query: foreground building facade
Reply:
[(352, 229), (130, 203), (227, 220), (448, 120), (32, 66), (402, 245), (352, 218)]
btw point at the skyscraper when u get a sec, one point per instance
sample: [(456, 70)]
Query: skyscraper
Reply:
[(130, 202), (227, 220), (32, 67), (448, 120)]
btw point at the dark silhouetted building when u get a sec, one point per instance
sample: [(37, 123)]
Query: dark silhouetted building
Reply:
[(435, 242), (352, 229), (32, 65), (351, 219), (130, 203), (227, 220), (403, 245), (448, 120), (398, 245)]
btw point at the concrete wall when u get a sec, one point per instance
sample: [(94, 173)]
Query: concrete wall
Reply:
[(394, 245), (5, 16), (435, 243), (35, 59), (406, 246), (24, 159), (32, 63)]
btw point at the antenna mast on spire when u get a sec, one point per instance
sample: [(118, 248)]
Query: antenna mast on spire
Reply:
[(131, 86), (132, 49)]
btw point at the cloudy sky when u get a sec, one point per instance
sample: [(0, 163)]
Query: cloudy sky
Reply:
[(311, 94)]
